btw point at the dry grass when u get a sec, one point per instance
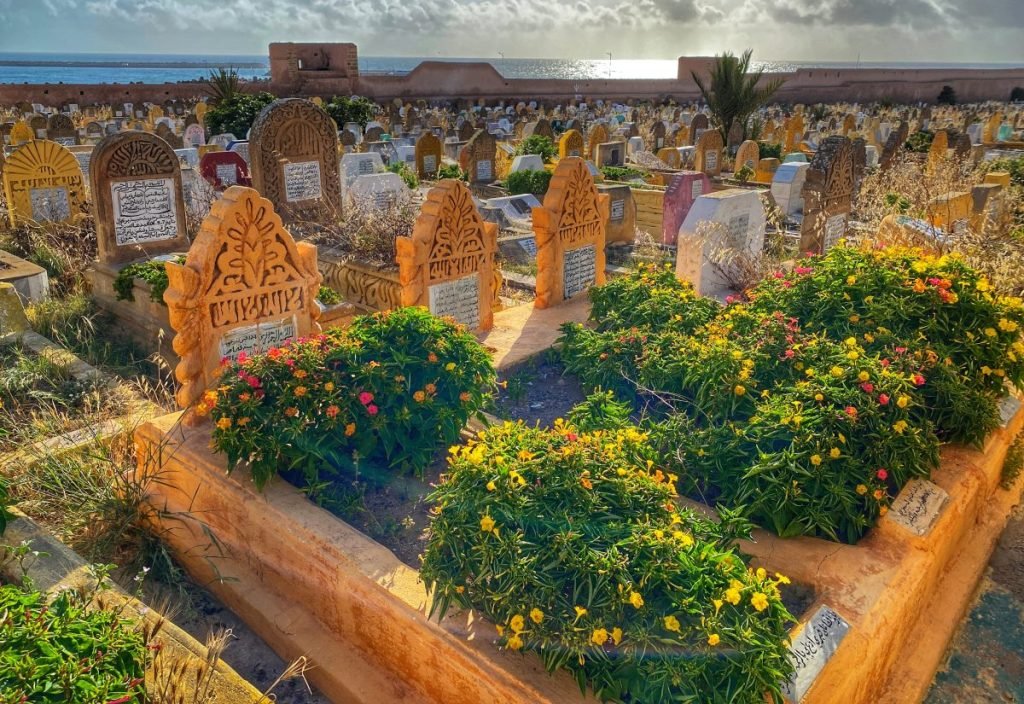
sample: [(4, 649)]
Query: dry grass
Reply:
[(366, 232)]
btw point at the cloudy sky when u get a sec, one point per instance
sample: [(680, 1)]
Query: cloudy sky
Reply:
[(836, 30)]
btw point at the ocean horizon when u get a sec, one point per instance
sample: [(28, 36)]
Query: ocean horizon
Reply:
[(122, 68)]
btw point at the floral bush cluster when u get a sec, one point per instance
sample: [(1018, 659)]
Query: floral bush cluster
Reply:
[(810, 405), (570, 541), (395, 386)]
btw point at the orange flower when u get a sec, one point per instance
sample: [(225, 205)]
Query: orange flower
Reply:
[(291, 412), (464, 397), (430, 388), (332, 411), (300, 391), (300, 374), (432, 357), (419, 397), (350, 430), (243, 421), (587, 484), (244, 396)]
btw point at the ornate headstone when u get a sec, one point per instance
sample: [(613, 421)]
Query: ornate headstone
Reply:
[(828, 195), (43, 183), (293, 158), (747, 156), (136, 186), (477, 157), (428, 156), (570, 144), (598, 135), (245, 286), (61, 129), (570, 234), (447, 265), (698, 126)]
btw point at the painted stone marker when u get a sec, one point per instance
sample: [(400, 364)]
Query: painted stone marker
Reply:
[(43, 183), (918, 505), (683, 191), (224, 169), (245, 286), (136, 182), (569, 231), (428, 156)]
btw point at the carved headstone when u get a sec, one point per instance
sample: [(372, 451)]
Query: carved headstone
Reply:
[(747, 156), (569, 231), (245, 286), (293, 158), (61, 129), (428, 156), (828, 195), (447, 265), (598, 135), (570, 144), (43, 183), (136, 186), (477, 158)]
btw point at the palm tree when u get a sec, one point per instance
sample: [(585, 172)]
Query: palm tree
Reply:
[(222, 85), (733, 93)]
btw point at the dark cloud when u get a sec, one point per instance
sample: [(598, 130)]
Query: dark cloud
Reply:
[(912, 15)]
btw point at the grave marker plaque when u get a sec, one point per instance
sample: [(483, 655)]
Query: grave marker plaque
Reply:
[(918, 505), (136, 183), (569, 230), (43, 182), (458, 299), (811, 650)]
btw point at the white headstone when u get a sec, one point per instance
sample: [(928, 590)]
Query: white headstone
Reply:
[(378, 190), (355, 165), (787, 187), (527, 162)]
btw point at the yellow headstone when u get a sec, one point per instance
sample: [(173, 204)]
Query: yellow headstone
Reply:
[(43, 183)]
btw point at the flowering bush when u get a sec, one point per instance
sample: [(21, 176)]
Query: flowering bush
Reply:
[(395, 386), (570, 542)]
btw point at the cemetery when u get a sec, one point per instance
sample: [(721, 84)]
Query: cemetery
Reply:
[(504, 400)]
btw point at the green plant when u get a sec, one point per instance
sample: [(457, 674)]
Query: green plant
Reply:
[(769, 150), (5, 503), (569, 541), (622, 173), (451, 171), (1013, 464), (60, 648), (947, 96), (538, 144), (152, 271), (236, 113), (744, 174), (919, 142), (535, 182), (732, 93), (1017, 94), (328, 296), (343, 108), (407, 174), (1013, 166), (394, 386), (222, 85)]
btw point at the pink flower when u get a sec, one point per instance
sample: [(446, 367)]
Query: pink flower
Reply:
[(779, 275), (365, 398), (253, 382), (918, 380), (372, 409), (790, 354), (803, 270), (787, 284), (729, 300), (883, 399), (571, 437), (882, 474), (901, 350), (224, 361), (885, 362), (242, 357), (867, 387)]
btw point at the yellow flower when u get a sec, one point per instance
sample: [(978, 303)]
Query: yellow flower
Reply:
[(242, 422), (851, 341), (851, 280), (900, 426), (515, 643), (717, 604), (835, 453), (861, 489), (580, 611), (991, 332), (671, 624), (460, 589), (879, 494), (982, 285), (759, 601), (224, 423), (525, 455), (986, 370), (739, 390), (517, 624), (636, 600), (450, 367), (487, 525), (815, 460), (419, 397), (761, 573), (616, 635), (863, 376), (536, 615), (902, 401), (852, 355), (713, 639), (819, 397), (599, 636), (329, 386), (491, 486), (781, 578), (684, 538), (732, 596), (854, 318), (836, 372)]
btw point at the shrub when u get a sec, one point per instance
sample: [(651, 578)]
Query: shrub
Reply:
[(5, 503), (328, 296), (452, 171), (395, 386), (769, 150), (343, 108), (744, 174), (61, 649), (236, 113), (947, 96), (535, 182), (407, 174), (919, 142), (1013, 166), (569, 541), (153, 272), (538, 144), (1017, 95), (622, 173)]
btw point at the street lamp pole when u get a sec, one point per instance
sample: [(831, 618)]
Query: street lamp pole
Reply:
[(609, 63)]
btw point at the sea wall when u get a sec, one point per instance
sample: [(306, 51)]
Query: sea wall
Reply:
[(438, 80)]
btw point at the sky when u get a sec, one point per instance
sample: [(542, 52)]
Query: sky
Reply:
[(794, 30)]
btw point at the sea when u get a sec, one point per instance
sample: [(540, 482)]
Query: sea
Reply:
[(162, 68)]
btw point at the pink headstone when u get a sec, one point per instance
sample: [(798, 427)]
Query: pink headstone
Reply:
[(683, 191), (224, 169)]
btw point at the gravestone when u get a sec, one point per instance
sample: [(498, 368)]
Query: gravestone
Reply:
[(766, 169), (61, 129), (671, 157), (683, 191), (708, 156), (828, 195), (12, 313), (189, 157), (447, 265), (245, 286), (224, 139), (242, 149), (539, 127), (527, 162), (21, 133), (43, 183), (720, 227), (610, 154), (224, 169), (376, 191), (658, 135), (569, 231), (293, 153), (621, 213), (570, 144), (477, 158), (598, 135), (194, 136), (137, 196), (811, 650), (352, 166), (747, 156), (428, 156), (918, 506), (787, 188), (83, 154), (698, 126)]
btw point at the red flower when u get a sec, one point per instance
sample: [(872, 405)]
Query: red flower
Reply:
[(901, 350), (883, 399), (332, 411), (882, 474), (778, 275), (365, 398), (851, 411), (242, 357), (787, 284), (885, 363), (372, 409), (918, 380), (790, 354), (571, 437), (868, 387), (802, 270)]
